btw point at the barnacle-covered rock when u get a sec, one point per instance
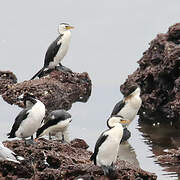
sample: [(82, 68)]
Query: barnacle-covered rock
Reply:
[(49, 159), (58, 90)]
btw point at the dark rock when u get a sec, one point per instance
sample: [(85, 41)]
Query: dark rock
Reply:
[(170, 160), (54, 160), (7, 79), (79, 143), (158, 76), (58, 90)]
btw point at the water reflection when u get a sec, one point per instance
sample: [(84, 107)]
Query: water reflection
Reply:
[(159, 138), (126, 152)]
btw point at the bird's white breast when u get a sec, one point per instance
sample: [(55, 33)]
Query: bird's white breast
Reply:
[(65, 40), (131, 108), (59, 127), (33, 121), (108, 151)]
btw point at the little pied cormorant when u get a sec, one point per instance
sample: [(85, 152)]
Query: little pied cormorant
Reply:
[(58, 49), (130, 105), (57, 121), (9, 155), (107, 146), (128, 108), (29, 119)]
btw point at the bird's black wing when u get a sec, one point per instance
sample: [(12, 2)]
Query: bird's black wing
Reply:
[(126, 135), (48, 124), (99, 142), (52, 51), (21, 116), (118, 107)]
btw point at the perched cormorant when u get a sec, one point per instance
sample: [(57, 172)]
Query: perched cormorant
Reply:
[(29, 119), (57, 121), (107, 146), (57, 50)]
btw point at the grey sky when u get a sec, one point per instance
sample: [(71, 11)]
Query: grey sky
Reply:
[(109, 38)]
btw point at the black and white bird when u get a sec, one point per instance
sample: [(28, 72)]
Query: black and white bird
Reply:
[(107, 146), (56, 122), (9, 155), (130, 105), (29, 119), (57, 50)]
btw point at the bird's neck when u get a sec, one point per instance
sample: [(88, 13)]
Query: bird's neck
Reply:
[(39, 104), (66, 34), (117, 130), (133, 95)]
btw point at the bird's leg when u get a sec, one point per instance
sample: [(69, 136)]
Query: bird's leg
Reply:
[(63, 68), (108, 170), (105, 170), (63, 141), (30, 141), (50, 137)]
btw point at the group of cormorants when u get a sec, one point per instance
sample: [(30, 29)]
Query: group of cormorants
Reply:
[(30, 119)]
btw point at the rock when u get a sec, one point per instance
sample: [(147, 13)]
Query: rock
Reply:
[(158, 76), (54, 160), (58, 90), (7, 79), (170, 159)]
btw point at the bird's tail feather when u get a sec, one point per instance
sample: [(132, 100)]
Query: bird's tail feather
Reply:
[(10, 135), (38, 73)]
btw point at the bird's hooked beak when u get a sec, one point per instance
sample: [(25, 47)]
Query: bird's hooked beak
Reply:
[(125, 121), (69, 27)]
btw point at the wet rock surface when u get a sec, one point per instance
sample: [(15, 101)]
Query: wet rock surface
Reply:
[(158, 76), (58, 90), (170, 160), (54, 160)]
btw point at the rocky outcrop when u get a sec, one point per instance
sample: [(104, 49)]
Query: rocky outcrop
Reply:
[(53, 160), (158, 76), (58, 90)]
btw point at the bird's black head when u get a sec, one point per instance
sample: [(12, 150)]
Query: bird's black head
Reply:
[(29, 99), (131, 90), (116, 119), (60, 115), (64, 27), (65, 24)]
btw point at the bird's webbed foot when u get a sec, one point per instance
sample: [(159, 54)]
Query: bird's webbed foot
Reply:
[(29, 142), (108, 170)]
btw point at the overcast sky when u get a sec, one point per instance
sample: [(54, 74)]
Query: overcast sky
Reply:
[(109, 38)]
